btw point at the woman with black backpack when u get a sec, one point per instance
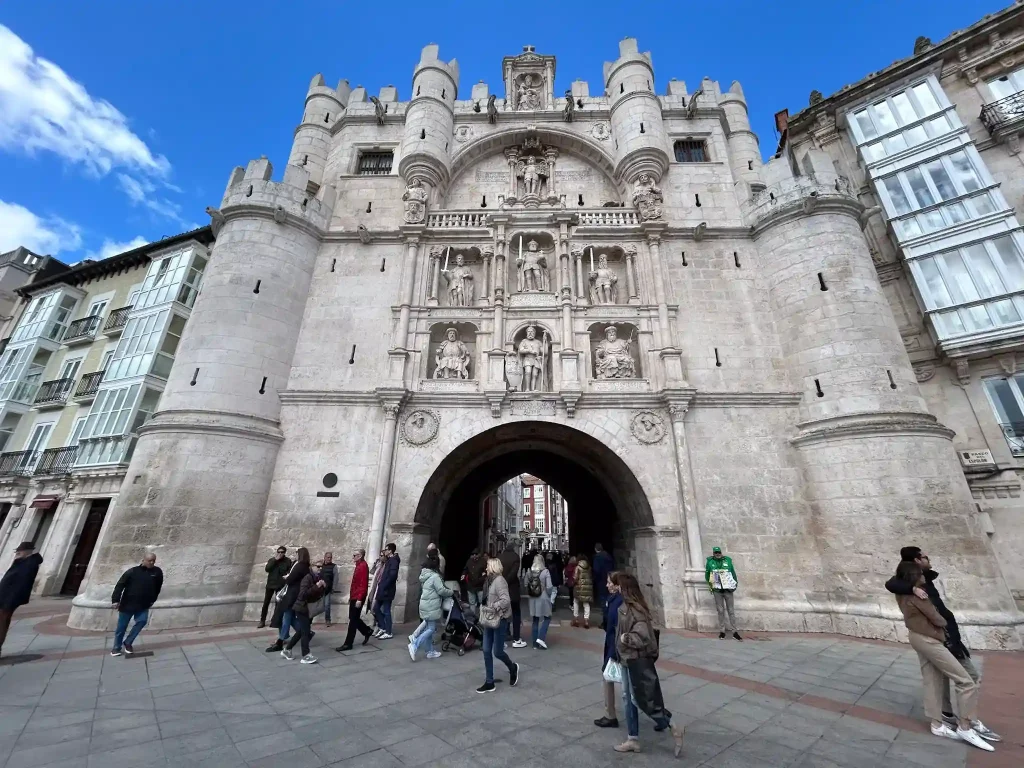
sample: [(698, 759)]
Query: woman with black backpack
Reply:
[(637, 647), (311, 590), (541, 593)]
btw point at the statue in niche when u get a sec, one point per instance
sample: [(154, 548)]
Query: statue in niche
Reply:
[(647, 197), (533, 174), (528, 94), (415, 199), (452, 357), (532, 355), (603, 288), (513, 372), (460, 284), (612, 359), (531, 269)]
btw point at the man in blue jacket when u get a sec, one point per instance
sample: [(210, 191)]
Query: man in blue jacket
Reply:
[(387, 585), (602, 564)]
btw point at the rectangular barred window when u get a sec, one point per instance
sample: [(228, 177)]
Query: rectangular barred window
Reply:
[(690, 151), (375, 163)]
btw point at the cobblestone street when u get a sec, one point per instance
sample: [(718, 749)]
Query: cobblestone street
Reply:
[(214, 698)]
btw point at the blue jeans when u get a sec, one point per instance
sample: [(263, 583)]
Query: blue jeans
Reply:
[(287, 622), (494, 646), (303, 627), (382, 615), (540, 629), (629, 705), (123, 617), (426, 636)]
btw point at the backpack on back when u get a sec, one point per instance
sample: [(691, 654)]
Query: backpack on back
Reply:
[(533, 585)]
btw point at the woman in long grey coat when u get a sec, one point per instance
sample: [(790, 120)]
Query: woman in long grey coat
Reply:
[(541, 592)]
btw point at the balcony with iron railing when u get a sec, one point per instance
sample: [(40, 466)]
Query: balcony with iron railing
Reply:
[(82, 331), (57, 461), (54, 394), (116, 321), (1014, 434), (1007, 113), (18, 463), (87, 386)]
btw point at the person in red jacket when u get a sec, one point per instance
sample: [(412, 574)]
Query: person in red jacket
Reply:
[(356, 597)]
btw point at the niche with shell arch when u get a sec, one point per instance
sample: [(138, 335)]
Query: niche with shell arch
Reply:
[(615, 359), (446, 359), (532, 277), (606, 281), (519, 356), (460, 285)]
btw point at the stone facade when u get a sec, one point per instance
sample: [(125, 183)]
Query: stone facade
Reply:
[(741, 403)]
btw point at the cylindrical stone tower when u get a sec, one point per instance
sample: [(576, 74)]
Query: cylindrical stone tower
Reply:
[(430, 121), (880, 471), (744, 150), (197, 486), (312, 141), (637, 124)]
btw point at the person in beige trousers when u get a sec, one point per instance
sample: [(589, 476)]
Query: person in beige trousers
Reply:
[(927, 631)]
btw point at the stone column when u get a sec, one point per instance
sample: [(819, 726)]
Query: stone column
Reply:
[(653, 232), (564, 282), (408, 283), (512, 155), (434, 276), (499, 286), (581, 292), (550, 155), (488, 254), (391, 402), (634, 296)]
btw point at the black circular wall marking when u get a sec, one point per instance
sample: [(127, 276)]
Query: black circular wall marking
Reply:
[(330, 480)]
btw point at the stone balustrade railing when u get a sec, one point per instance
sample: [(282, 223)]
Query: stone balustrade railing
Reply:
[(602, 217), (609, 217), (457, 220)]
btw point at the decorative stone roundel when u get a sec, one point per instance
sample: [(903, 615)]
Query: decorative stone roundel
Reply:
[(647, 427), (463, 133), (420, 427), (601, 131)]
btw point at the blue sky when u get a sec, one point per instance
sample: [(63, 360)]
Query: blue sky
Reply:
[(120, 121)]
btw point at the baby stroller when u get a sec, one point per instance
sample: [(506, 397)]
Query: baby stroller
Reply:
[(460, 627)]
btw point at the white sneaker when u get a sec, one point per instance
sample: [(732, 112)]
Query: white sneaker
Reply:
[(985, 732), (385, 636), (412, 651), (412, 639), (518, 643), (286, 654), (433, 654), (308, 659), (542, 644), (945, 731), (973, 738)]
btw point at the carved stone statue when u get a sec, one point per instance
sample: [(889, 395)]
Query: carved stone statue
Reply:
[(379, 110), (492, 110), (415, 199), (532, 354), (532, 174), (460, 284), (569, 110), (531, 266), (514, 372), (452, 357), (528, 93), (647, 198), (603, 288), (612, 359)]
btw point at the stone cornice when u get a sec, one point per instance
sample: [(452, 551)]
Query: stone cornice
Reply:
[(326, 397), (746, 399), (215, 422), (251, 211), (795, 210), (870, 425)]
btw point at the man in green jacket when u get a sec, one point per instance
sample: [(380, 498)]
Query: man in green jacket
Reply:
[(721, 578)]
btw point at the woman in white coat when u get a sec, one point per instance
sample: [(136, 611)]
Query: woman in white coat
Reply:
[(541, 593)]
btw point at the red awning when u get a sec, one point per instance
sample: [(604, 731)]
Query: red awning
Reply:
[(44, 502)]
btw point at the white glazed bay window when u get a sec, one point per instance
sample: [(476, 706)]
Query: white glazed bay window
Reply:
[(1005, 395), (108, 435), (174, 277), (900, 121), (147, 346), (46, 316)]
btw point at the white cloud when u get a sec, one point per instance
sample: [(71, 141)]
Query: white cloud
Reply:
[(113, 248), (143, 192), (42, 108), (50, 236)]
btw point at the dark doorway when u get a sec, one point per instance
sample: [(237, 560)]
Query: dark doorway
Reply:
[(86, 544)]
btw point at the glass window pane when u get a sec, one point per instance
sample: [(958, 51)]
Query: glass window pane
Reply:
[(1001, 88), (1004, 312), (1007, 407), (899, 199), (955, 213), (949, 324), (907, 228), (938, 126), (941, 180), (960, 284), (873, 152), (864, 123), (982, 204), (915, 135), (985, 275), (920, 188), (925, 98), (964, 172), (932, 220), (976, 318), (1010, 260), (935, 291), (883, 117), (894, 144), (904, 109)]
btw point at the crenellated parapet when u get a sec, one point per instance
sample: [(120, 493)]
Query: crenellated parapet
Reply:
[(250, 191), (787, 194)]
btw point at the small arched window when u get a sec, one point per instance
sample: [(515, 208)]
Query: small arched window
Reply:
[(690, 151)]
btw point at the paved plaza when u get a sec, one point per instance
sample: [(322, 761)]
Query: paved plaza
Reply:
[(214, 698)]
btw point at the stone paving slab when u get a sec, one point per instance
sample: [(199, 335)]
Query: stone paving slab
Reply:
[(214, 698)]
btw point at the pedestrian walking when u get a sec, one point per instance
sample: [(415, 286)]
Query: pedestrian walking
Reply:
[(494, 615), (432, 552), (387, 586), (432, 547), (611, 623), (329, 573), (356, 597), (569, 579), (637, 646), (542, 593), (473, 576), (312, 589), (583, 592), (510, 563), (721, 578), (926, 630), (603, 565), (134, 594), (954, 641), (277, 568), (283, 618), (432, 594), (16, 585)]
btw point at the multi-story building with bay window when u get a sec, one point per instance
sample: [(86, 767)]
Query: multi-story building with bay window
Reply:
[(82, 370), (932, 145)]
